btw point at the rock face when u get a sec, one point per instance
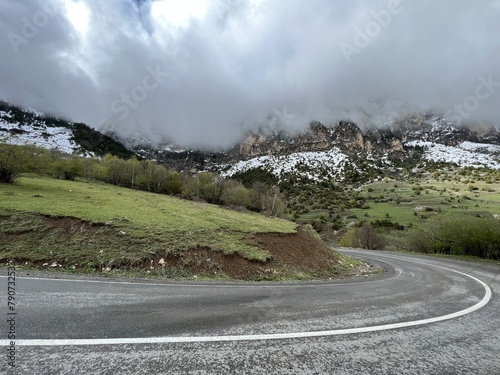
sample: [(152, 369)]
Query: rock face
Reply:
[(395, 142), (344, 153), (268, 142), (316, 138), (349, 138)]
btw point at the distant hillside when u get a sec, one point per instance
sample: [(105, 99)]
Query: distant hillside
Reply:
[(23, 127)]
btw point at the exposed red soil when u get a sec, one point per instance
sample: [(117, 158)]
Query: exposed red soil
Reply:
[(299, 249), (297, 252)]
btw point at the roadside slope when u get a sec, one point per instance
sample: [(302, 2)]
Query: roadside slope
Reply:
[(97, 227)]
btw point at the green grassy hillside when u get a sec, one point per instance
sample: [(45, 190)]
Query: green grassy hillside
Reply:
[(412, 203), (92, 225)]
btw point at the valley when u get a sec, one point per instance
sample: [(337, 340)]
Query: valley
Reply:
[(343, 182)]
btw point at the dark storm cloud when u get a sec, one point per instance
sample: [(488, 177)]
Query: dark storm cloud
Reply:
[(297, 60)]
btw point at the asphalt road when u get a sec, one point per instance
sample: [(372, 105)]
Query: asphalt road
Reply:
[(422, 316)]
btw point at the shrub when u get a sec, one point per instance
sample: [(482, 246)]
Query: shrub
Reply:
[(236, 196), (350, 239), (474, 236)]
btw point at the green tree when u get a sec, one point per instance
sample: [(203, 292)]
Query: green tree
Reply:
[(144, 178), (88, 168), (116, 168), (234, 195), (100, 172), (258, 195), (15, 160), (173, 183), (192, 186), (208, 187), (68, 168), (158, 178), (132, 170)]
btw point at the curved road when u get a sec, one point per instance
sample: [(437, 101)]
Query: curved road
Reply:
[(421, 316)]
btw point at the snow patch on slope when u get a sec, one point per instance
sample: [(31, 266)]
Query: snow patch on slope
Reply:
[(307, 164), (465, 154), (39, 135)]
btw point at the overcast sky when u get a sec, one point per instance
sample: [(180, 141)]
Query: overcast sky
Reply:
[(200, 71)]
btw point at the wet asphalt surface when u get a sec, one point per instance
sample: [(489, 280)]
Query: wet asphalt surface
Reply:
[(412, 288)]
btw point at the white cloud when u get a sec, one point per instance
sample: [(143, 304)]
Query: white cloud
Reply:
[(231, 62), (78, 14), (178, 13)]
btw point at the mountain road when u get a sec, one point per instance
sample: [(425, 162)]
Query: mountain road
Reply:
[(421, 315)]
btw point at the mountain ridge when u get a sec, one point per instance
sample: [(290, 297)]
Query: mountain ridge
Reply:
[(339, 152), (25, 127)]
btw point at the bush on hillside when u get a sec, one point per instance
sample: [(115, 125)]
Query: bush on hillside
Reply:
[(473, 236)]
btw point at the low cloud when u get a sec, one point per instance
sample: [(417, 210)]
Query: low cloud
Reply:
[(235, 64)]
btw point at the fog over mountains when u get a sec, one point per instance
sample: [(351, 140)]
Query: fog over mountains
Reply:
[(204, 73)]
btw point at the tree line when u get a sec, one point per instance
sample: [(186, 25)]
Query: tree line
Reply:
[(142, 175)]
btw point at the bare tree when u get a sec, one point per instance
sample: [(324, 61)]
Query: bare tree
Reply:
[(368, 238)]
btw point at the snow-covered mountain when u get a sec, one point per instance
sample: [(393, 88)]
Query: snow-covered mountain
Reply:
[(38, 134), (337, 152), (464, 154), (314, 165), (344, 152), (25, 127), (327, 165)]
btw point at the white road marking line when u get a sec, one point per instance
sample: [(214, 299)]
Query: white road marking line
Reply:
[(275, 336), (195, 285)]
